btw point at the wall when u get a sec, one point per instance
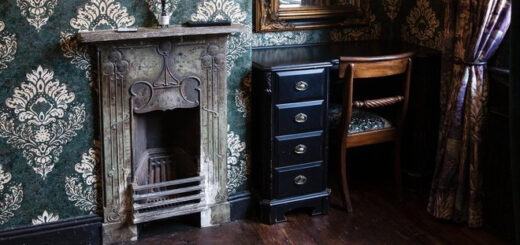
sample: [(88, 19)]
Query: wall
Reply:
[(49, 156), (422, 22)]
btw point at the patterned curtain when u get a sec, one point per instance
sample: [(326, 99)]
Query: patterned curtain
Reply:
[(473, 30)]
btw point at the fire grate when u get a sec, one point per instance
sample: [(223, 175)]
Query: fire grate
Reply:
[(167, 199)]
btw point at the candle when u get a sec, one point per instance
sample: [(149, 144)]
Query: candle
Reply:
[(163, 7), (164, 19)]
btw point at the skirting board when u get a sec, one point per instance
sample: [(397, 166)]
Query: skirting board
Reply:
[(83, 230), (87, 229), (241, 205)]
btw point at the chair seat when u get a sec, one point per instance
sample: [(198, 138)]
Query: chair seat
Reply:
[(361, 121)]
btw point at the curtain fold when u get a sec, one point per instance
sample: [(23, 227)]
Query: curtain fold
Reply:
[(473, 31)]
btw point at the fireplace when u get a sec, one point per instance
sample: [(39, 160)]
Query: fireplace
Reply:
[(163, 117)]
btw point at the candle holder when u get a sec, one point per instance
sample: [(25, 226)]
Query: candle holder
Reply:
[(163, 10)]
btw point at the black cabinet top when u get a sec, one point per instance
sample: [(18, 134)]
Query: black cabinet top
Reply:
[(323, 55)]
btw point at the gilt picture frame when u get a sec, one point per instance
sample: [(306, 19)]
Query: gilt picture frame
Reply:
[(270, 16)]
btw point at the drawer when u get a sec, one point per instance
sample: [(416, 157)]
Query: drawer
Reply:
[(298, 179), (299, 117), (299, 148), (301, 85)]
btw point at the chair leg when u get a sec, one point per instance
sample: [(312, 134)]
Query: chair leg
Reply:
[(344, 184), (397, 170)]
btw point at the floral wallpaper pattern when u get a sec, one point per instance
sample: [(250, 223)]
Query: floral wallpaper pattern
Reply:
[(156, 8), (219, 10), (370, 32), (422, 26), (44, 122), (281, 38), (237, 167), (8, 47), (48, 118), (10, 196), (98, 14), (37, 12), (392, 8), (82, 187), (45, 218)]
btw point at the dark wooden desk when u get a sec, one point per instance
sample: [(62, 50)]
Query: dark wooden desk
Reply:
[(299, 57), (290, 121)]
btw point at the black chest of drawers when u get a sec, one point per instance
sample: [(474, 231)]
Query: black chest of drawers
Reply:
[(290, 138)]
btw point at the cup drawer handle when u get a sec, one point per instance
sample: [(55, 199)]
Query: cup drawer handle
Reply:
[(300, 149), (300, 118), (301, 86), (300, 180)]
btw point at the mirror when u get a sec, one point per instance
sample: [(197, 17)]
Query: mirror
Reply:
[(285, 15), (315, 3)]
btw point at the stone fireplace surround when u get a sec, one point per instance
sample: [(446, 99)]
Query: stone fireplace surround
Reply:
[(148, 72)]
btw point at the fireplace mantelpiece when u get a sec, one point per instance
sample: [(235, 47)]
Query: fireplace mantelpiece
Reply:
[(159, 70)]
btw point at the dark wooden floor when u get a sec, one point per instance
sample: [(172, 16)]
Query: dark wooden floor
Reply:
[(377, 219)]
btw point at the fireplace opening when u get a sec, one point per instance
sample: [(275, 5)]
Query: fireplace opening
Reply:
[(166, 172), (167, 145)]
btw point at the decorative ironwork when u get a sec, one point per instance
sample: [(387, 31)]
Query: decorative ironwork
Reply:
[(167, 92), (116, 67), (142, 93), (213, 58), (213, 61)]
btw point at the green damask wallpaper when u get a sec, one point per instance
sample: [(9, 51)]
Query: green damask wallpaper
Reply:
[(49, 155)]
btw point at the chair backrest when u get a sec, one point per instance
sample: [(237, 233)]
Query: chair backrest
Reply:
[(375, 68), (352, 69)]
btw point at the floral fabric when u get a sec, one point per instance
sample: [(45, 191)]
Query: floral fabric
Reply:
[(473, 30), (361, 121)]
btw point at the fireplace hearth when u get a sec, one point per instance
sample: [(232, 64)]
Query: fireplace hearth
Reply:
[(163, 116)]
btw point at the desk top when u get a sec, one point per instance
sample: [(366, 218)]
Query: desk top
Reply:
[(323, 55)]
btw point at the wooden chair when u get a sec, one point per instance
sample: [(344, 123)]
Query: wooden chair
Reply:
[(378, 130)]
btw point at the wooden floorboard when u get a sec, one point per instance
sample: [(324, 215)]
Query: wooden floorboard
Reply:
[(378, 218)]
